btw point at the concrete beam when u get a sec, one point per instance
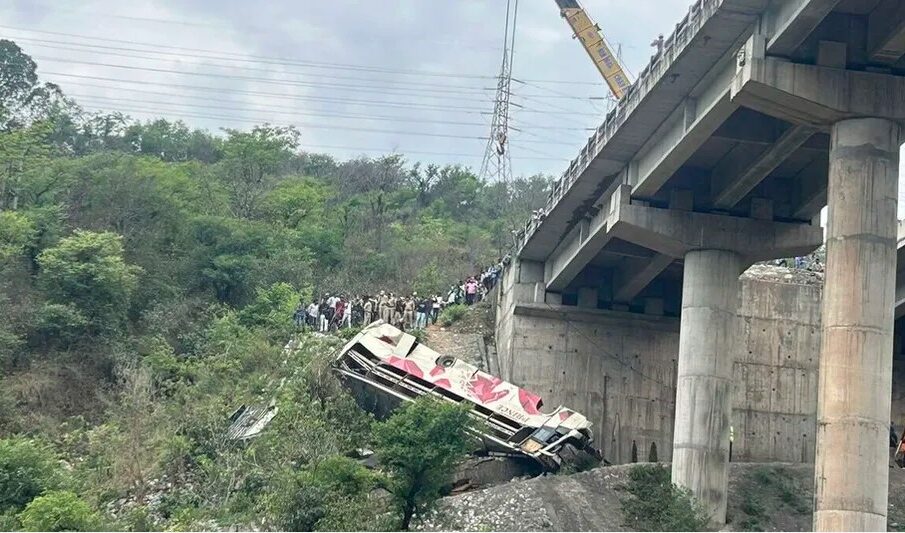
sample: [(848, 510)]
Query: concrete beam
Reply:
[(886, 32), (630, 286), (683, 132), (810, 190), (816, 96), (900, 301), (789, 22), (673, 155), (674, 233), (734, 180), (581, 245)]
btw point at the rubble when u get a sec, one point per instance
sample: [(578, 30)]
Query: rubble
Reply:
[(781, 274), (249, 420)]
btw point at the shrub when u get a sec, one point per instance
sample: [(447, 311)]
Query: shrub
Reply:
[(419, 446), (9, 522), (62, 323), (87, 271), (654, 503), (330, 495), (272, 308), (27, 468), (58, 511), (452, 314)]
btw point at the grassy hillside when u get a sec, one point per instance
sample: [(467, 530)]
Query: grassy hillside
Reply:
[(148, 274)]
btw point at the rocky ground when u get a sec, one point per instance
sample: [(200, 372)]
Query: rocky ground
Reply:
[(781, 274), (468, 347), (467, 338), (762, 497)]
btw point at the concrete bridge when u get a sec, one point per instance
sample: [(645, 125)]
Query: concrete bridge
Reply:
[(754, 116)]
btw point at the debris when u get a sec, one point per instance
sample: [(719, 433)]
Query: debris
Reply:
[(249, 421)]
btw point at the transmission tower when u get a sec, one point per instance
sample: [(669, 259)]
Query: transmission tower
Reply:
[(497, 164)]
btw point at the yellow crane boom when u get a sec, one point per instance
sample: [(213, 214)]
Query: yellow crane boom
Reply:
[(592, 39)]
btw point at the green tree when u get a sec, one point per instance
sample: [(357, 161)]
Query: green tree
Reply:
[(18, 78), (250, 161), (58, 511), (297, 202), (87, 271), (16, 233), (27, 469), (24, 152), (419, 446), (271, 307)]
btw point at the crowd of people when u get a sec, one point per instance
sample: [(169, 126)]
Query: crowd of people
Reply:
[(407, 312)]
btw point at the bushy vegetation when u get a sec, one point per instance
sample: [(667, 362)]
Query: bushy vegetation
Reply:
[(654, 503), (58, 511), (767, 490), (452, 314), (148, 274), (27, 469)]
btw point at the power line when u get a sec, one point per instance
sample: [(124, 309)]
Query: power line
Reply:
[(157, 112), (193, 107), (268, 81), (533, 98), (289, 61), (106, 51), (243, 106), (407, 87), (400, 150), (281, 96), (270, 59), (282, 109), (301, 125), (55, 8)]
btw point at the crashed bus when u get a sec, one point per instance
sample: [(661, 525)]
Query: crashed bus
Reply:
[(383, 365)]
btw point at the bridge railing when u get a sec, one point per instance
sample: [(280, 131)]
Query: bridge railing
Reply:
[(699, 12)]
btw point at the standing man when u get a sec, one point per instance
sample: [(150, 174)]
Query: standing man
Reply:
[(382, 304), (421, 308), (368, 310), (339, 311), (398, 311), (312, 314), (299, 316), (347, 315), (408, 313), (435, 308), (471, 290), (323, 312)]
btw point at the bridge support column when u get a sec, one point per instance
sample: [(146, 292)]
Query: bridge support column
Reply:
[(853, 400), (700, 457)]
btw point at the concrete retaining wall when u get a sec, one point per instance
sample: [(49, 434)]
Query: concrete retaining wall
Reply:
[(619, 368)]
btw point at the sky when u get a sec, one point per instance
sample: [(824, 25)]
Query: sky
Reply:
[(357, 77)]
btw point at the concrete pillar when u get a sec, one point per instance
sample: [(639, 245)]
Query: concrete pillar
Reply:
[(707, 331), (853, 398)]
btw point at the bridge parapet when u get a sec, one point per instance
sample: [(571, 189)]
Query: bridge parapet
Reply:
[(699, 12)]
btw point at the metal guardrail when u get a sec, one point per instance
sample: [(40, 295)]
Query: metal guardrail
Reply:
[(686, 29)]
